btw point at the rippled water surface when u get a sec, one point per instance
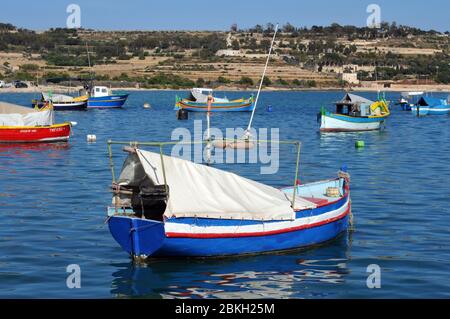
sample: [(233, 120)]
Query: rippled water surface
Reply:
[(53, 199)]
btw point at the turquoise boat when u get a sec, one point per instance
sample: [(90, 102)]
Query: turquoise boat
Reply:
[(431, 106), (198, 102)]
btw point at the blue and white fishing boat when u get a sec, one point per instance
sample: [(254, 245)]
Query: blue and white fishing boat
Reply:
[(409, 99), (431, 106), (169, 207), (103, 98), (354, 114)]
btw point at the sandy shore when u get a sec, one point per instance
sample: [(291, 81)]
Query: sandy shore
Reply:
[(373, 88)]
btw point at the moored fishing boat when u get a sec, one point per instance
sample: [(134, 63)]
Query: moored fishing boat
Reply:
[(353, 114), (408, 100), (170, 207), (198, 102), (102, 97), (431, 106), (62, 102), (19, 124)]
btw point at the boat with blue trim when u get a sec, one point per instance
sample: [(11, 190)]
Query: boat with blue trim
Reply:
[(170, 207), (409, 99), (431, 106), (354, 114), (198, 102), (102, 97)]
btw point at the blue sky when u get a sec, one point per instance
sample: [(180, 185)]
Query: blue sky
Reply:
[(219, 15)]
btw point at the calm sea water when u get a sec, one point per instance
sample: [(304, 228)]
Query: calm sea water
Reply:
[(53, 199)]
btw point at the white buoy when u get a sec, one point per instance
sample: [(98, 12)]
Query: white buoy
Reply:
[(91, 138), (74, 123), (147, 106)]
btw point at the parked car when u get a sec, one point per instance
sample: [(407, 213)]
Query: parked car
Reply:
[(2, 84), (20, 84)]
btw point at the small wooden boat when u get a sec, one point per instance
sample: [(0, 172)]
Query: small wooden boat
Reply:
[(62, 102), (354, 114), (198, 102), (101, 97), (431, 106), (169, 207), (19, 124)]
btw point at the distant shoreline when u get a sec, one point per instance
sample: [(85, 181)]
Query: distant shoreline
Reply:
[(394, 88)]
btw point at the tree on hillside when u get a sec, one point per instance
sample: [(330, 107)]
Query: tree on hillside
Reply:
[(288, 28)]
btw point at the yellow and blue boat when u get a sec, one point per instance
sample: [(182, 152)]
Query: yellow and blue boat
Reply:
[(355, 114), (198, 102)]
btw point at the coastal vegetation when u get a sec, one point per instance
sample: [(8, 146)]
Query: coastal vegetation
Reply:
[(304, 57)]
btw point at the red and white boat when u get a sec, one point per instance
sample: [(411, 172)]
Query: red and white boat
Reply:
[(19, 124)]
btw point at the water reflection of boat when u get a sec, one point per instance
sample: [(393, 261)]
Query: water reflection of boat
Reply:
[(300, 274), (34, 146)]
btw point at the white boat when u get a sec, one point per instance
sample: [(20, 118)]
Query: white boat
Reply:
[(354, 114)]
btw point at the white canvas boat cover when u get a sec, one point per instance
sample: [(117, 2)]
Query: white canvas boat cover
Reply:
[(200, 191), (201, 96), (352, 98), (16, 115), (57, 98)]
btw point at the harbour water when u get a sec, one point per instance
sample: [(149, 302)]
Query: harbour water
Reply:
[(53, 200)]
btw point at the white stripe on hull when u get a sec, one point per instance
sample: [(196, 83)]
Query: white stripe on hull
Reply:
[(430, 110), (334, 125), (262, 227)]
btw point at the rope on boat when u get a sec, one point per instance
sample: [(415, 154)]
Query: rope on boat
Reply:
[(262, 81)]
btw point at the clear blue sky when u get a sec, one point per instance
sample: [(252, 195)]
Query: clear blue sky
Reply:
[(219, 15)]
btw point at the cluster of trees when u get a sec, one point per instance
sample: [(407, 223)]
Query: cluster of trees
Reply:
[(335, 29)]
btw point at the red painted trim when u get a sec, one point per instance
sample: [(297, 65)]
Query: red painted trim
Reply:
[(259, 234)]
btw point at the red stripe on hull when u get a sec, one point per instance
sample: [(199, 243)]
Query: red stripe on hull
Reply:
[(259, 234), (55, 133)]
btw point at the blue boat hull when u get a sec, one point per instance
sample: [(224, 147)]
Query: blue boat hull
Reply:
[(175, 238), (432, 110), (107, 102), (176, 247), (405, 106)]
